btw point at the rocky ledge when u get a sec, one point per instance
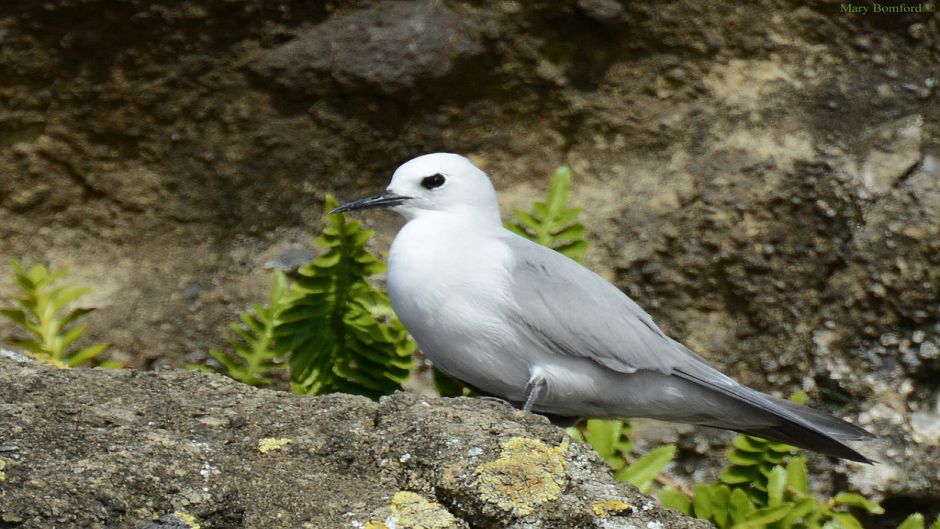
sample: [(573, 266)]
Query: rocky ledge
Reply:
[(129, 449)]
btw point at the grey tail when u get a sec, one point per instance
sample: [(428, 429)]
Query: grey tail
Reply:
[(813, 430), (793, 424)]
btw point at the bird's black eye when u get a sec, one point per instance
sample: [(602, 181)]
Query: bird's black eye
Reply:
[(433, 181)]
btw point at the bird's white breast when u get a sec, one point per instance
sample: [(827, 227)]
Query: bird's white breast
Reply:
[(447, 281)]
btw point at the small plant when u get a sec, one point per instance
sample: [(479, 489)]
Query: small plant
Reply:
[(552, 222), (253, 356), (338, 331), (778, 497), (767, 485), (916, 521), (41, 312), (611, 440)]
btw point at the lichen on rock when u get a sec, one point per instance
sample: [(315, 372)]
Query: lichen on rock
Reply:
[(527, 474), (413, 511), (608, 508), (272, 444)]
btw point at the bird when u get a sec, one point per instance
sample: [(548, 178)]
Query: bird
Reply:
[(520, 322)]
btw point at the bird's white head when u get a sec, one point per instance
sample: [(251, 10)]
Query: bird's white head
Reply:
[(436, 183)]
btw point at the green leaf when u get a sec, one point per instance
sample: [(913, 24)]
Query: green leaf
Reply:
[(797, 476), (749, 444), (702, 500), (799, 397), (448, 386), (736, 475), (721, 509), (644, 470), (935, 524), (574, 232), (745, 459), (776, 482), (65, 295), (764, 517), (74, 315), (914, 521), (673, 498), (739, 506), (85, 355), (857, 500), (800, 509), (604, 436), (18, 316), (846, 520)]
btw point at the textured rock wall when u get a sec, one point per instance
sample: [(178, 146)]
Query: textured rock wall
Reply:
[(763, 178)]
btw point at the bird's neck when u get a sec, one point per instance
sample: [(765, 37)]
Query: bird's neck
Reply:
[(461, 219)]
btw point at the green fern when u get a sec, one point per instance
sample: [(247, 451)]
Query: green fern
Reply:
[(552, 222), (916, 521), (766, 485), (253, 356), (611, 440), (339, 332), (41, 312)]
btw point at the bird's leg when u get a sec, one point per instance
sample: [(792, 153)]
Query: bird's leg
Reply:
[(532, 391)]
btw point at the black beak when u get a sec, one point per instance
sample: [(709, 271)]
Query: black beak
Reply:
[(382, 200)]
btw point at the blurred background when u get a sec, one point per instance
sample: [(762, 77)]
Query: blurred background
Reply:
[(764, 179)]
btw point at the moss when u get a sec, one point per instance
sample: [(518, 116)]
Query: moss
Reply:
[(605, 509), (270, 444), (3, 466), (374, 525), (527, 474), (187, 518)]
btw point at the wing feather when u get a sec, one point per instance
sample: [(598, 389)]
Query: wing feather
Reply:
[(570, 310)]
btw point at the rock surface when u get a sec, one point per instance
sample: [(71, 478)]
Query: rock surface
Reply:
[(764, 178), (89, 448)]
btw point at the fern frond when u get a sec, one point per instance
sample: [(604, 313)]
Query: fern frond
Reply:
[(553, 222), (338, 330), (253, 356), (41, 313)]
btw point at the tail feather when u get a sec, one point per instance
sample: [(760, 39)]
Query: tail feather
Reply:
[(787, 422), (833, 426), (796, 434)]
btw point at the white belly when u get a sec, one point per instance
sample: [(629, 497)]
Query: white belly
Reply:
[(447, 290)]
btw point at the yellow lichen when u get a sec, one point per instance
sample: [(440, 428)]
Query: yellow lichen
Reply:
[(607, 508), (3, 466), (412, 511), (270, 444), (527, 474), (187, 518)]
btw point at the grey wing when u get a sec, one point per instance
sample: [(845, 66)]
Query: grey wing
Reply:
[(570, 310)]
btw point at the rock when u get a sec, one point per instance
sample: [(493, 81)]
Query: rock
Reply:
[(388, 47), (895, 150), (175, 449)]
